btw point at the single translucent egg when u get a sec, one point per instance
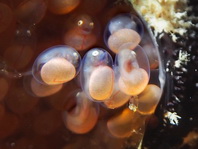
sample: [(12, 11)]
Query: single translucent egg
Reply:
[(123, 31), (18, 55), (125, 123), (148, 99), (20, 51), (82, 33), (83, 117), (56, 65), (97, 75), (31, 12)]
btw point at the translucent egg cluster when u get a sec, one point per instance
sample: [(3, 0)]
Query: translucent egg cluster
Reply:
[(84, 65)]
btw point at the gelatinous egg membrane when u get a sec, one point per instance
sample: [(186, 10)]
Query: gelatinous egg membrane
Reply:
[(70, 67)]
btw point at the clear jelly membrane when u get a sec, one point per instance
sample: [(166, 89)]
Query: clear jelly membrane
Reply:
[(58, 56), (95, 61), (82, 31), (84, 116), (77, 75), (123, 31), (31, 12)]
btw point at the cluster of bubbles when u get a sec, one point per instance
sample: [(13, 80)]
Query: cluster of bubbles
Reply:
[(110, 77)]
